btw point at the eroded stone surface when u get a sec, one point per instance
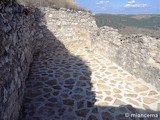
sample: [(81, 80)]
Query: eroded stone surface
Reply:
[(82, 85)]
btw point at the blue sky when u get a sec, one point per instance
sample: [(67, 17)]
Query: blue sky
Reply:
[(121, 6)]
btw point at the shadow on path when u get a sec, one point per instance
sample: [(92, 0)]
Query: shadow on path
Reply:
[(59, 87)]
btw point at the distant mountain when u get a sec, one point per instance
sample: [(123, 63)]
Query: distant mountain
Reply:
[(120, 21), (147, 24)]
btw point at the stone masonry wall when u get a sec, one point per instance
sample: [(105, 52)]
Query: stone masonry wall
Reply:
[(17, 45), (136, 53), (68, 25), (24, 32), (139, 55)]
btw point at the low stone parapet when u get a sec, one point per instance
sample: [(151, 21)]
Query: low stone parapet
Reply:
[(138, 54)]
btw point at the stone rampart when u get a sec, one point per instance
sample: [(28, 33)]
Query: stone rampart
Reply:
[(69, 25), (24, 32), (138, 54), (19, 40)]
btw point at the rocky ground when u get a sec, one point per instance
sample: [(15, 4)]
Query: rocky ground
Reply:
[(77, 84)]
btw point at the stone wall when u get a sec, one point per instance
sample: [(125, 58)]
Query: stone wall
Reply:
[(69, 25), (136, 53), (17, 45), (139, 55), (25, 32)]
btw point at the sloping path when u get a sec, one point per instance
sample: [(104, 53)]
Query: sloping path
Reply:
[(76, 84)]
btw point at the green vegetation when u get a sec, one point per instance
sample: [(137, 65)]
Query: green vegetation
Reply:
[(51, 3), (131, 24), (121, 21)]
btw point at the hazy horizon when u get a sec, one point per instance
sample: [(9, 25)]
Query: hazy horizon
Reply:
[(126, 14)]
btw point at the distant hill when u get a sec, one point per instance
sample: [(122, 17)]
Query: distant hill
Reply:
[(121, 21), (131, 24)]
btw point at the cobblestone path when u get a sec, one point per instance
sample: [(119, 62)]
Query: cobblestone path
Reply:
[(76, 84)]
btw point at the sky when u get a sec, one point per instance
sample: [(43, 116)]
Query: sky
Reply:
[(121, 6)]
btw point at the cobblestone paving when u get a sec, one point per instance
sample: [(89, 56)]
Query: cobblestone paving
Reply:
[(80, 85)]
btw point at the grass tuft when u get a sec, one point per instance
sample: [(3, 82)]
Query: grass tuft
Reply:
[(69, 4)]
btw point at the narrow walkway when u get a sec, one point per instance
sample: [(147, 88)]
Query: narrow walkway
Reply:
[(76, 84)]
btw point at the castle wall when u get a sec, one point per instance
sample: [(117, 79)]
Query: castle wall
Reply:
[(17, 46), (24, 32), (138, 54), (69, 26)]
